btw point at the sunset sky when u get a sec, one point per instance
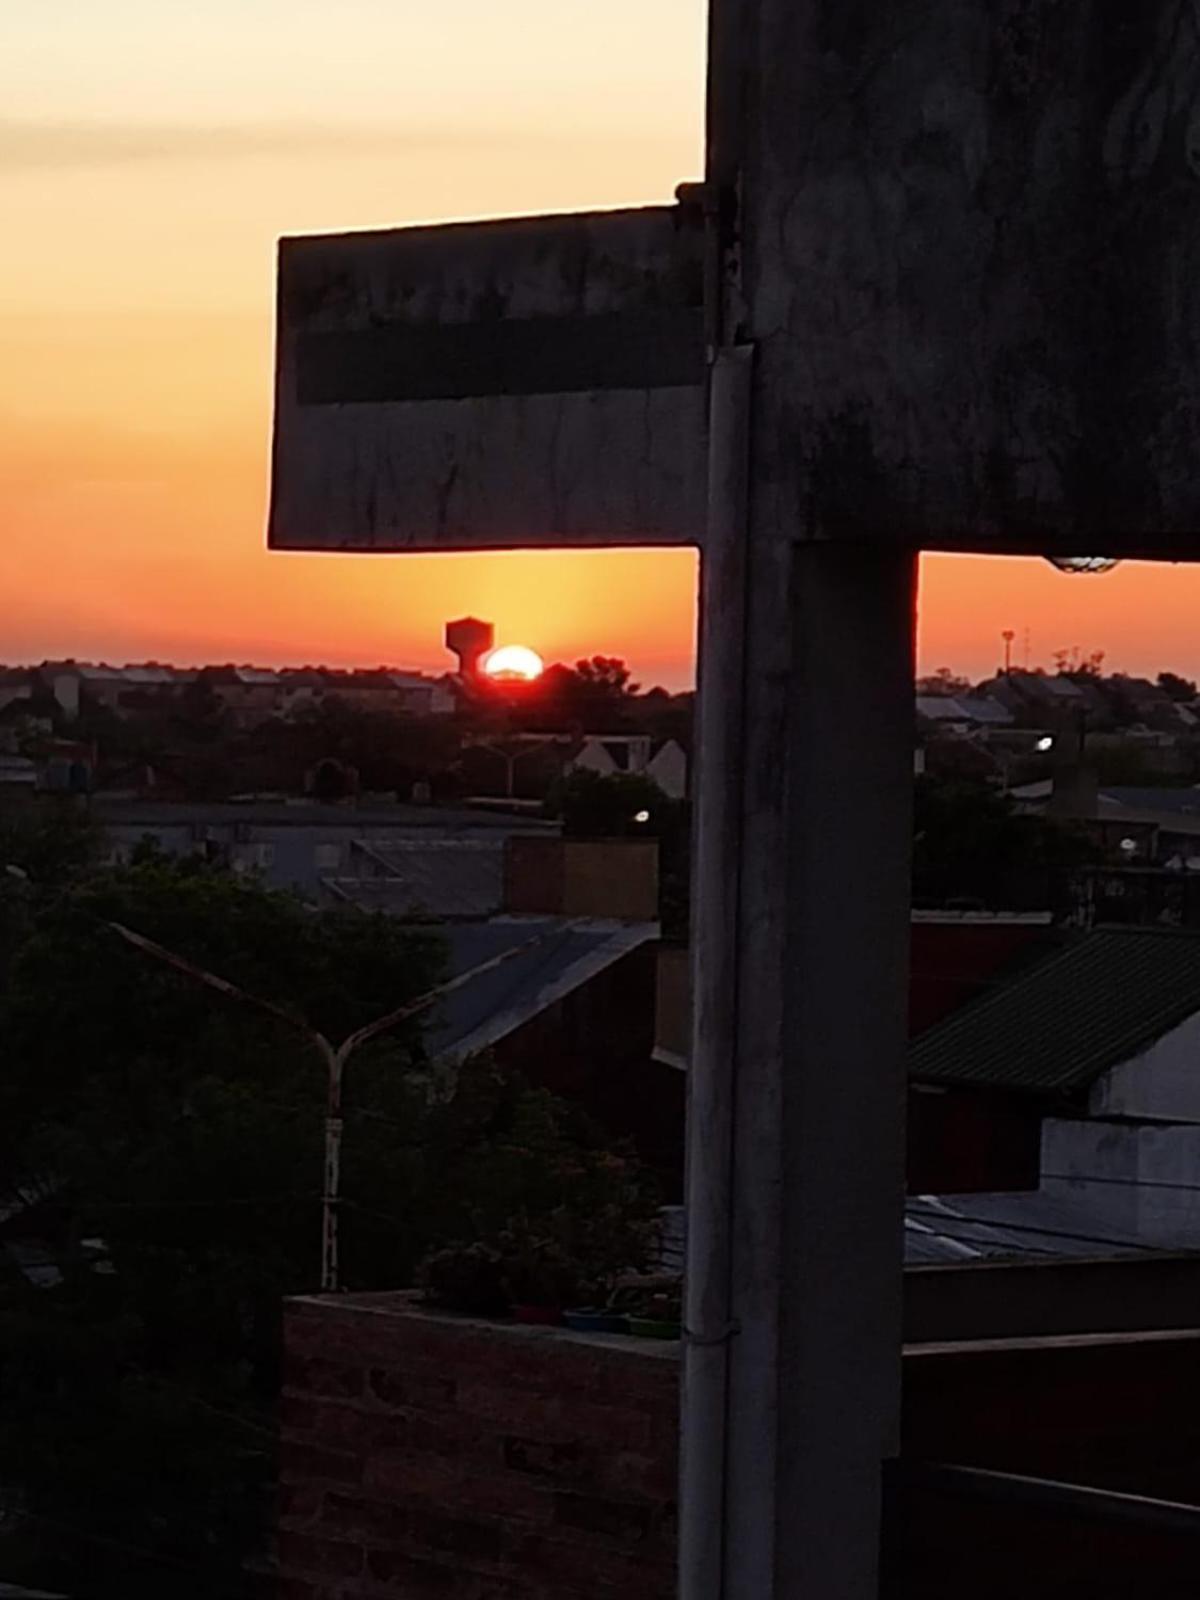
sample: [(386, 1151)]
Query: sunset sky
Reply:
[(151, 153)]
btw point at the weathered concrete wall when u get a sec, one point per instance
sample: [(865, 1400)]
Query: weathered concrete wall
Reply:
[(972, 262), (1162, 1084), (535, 381), (1141, 1177)]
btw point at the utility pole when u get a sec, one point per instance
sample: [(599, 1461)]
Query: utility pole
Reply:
[(1008, 636), (796, 1080), (335, 1058)]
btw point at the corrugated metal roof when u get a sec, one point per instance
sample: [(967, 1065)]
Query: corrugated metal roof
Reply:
[(498, 1002), (982, 708), (956, 1230), (441, 877), (1061, 1024), (941, 708), (1159, 798)]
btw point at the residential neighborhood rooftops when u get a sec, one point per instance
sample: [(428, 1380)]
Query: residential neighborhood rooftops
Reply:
[(965, 708), (1061, 1024), (306, 813)]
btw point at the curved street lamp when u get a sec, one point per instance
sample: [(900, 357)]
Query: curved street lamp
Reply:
[(335, 1057)]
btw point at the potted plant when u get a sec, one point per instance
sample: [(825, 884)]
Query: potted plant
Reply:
[(652, 1308), (596, 1319), (465, 1277), (538, 1273)]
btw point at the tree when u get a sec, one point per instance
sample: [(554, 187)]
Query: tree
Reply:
[(49, 844), (162, 1154), (332, 781), (945, 682), (970, 844), (1073, 663), (622, 805), (1178, 688), (594, 696), (631, 805), (607, 675)]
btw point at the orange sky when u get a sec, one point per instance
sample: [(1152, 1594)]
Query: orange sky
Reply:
[(151, 154)]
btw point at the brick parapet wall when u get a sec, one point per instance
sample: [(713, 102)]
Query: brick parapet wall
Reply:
[(432, 1456), (426, 1455)]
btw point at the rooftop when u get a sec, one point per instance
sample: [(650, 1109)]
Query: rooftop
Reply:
[(442, 877), (957, 1230), (566, 954), (1064, 1022), (307, 814)]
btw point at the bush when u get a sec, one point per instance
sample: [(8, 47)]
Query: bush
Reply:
[(465, 1277)]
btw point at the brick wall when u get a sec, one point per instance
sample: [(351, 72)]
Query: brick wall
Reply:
[(442, 1458), (615, 878), (430, 1456)]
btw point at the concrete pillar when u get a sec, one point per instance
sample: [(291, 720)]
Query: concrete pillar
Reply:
[(795, 1182)]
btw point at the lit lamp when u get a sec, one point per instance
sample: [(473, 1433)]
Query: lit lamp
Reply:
[(1083, 563)]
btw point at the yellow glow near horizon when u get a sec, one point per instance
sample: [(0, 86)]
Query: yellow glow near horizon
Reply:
[(151, 155), (514, 661)]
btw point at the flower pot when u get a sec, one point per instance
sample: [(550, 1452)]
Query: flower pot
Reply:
[(539, 1316), (595, 1319), (652, 1328)]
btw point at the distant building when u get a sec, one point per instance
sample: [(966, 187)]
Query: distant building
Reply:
[(470, 639), (16, 686), (1091, 1060), (248, 695), (18, 774), (665, 762), (304, 846), (77, 685), (1134, 824), (964, 712), (400, 693)]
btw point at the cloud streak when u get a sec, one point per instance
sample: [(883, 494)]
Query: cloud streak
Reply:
[(27, 146)]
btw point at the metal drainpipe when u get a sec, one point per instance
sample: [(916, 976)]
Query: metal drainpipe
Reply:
[(710, 1120)]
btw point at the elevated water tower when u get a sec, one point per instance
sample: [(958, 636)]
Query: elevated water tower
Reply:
[(470, 640)]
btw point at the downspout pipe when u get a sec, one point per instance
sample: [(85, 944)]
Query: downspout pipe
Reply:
[(708, 1326)]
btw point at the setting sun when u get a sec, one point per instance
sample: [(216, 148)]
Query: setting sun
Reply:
[(514, 661)]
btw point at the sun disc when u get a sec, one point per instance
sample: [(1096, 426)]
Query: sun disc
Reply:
[(514, 661)]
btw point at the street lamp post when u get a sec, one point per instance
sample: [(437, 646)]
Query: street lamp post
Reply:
[(511, 757), (334, 1057)]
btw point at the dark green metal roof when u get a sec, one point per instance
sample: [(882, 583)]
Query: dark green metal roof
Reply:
[(1067, 1020)]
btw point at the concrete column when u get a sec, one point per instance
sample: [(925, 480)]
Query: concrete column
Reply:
[(796, 1122)]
